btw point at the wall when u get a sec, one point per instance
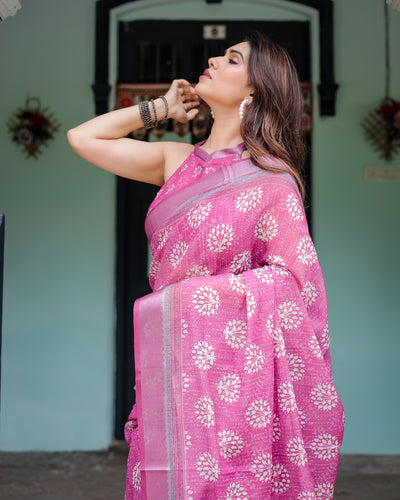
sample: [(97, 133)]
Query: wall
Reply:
[(58, 345)]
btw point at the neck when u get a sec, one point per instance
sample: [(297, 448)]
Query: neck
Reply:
[(225, 133)]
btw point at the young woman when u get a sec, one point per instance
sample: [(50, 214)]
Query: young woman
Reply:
[(234, 390)]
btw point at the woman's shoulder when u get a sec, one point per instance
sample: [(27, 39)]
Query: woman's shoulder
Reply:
[(175, 153)]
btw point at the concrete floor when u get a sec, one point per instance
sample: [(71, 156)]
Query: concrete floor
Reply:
[(101, 475)]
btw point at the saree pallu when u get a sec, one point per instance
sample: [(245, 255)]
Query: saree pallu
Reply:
[(235, 396)]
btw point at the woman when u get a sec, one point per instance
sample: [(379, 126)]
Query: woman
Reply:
[(235, 397)]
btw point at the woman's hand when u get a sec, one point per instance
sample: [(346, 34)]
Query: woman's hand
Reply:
[(182, 101)]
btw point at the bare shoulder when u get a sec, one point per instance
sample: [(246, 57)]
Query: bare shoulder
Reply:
[(175, 154)]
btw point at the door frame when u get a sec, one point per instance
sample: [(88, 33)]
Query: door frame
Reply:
[(326, 87)]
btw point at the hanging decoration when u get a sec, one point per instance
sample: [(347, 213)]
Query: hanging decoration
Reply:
[(382, 125), (32, 127), (128, 94)]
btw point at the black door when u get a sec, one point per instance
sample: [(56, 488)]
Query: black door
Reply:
[(158, 52)]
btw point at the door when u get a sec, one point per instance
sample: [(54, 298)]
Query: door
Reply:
[(158, 52)]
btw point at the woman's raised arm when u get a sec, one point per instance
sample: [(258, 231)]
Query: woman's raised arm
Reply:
[(102, 140)]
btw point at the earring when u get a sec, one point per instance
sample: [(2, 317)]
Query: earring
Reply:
[(241, 108), (212, 113)]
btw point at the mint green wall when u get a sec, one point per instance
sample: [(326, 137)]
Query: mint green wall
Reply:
[(58, 321), (58, 327)]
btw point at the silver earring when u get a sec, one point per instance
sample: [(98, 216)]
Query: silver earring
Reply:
[(241, 108), (212, 114)]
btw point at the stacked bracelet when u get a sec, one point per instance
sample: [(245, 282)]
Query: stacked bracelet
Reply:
[(145, 114)]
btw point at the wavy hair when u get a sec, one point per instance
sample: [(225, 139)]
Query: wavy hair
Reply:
[(271, 125)]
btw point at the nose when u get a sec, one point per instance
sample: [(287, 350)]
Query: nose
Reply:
[(212, 62)]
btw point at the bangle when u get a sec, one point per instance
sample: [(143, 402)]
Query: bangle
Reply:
[(145, 114), (166, 110), (154, 112)]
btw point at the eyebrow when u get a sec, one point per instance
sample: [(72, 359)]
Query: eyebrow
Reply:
[(236, 52)]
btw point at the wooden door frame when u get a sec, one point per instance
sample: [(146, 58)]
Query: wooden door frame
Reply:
[(327, 87)]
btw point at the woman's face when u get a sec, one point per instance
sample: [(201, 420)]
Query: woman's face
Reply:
[(226, 81)]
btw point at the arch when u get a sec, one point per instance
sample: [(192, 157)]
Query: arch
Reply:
[(326, 88)]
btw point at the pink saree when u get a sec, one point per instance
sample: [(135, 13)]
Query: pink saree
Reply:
[(235, 397)]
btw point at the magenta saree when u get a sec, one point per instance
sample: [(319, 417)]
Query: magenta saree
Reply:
[(235, 397)]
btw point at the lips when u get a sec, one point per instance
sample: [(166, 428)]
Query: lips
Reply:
[(206, 74)]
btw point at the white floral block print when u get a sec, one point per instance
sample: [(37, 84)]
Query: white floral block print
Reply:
[(207, 467), (197, 270), (324, 491), (296, 366), (136, 477), (309, 294), (324, 396), (203, 355), (307, 495), (258, 414), (296, 452), (206, 300), (235, 333), (253, 359), (236, 491), (280, 479), (177, 253), (220, 238), (262, 467), (325, 446), (290, 315), (266, 228), (306, 252), (198, 214), (204, 411), (241, 262), (293, 207), (286, 398), (247, 201), (237, 283), (230, 443), (228, 388)]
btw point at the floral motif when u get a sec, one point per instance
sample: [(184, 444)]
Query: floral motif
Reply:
[(204, 411), (236, 491), (309, 293), (279, 343), (136, 477), (266, 228), (262, 467), (250, 304), (241, 262), (290, 315), (188, 440), (254, 359), (207, 467), (324, 491), (177, 253), (305, 251), (230, 443), (276, 435), (307, 495), (315, 348), (235, 333), (237, 283), (197, 270), (264, 275), (293, 207), (154, 267), (247, 200), (325, 446), (325, 341), (162, 237), (296, 366), (220, 238), (324, 396), (296, 452), (189, 493), (286, 398), (185, 382), (280, 479), (258, 414), (206, 300), (228, 388), (198, 214), (184, 329), (203, 355)]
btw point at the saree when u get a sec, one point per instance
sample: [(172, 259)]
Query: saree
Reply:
[(235, 396)]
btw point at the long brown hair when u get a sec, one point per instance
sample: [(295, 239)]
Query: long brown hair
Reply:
[(271, 124)]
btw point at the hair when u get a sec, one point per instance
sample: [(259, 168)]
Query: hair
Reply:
[(271, 125)]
